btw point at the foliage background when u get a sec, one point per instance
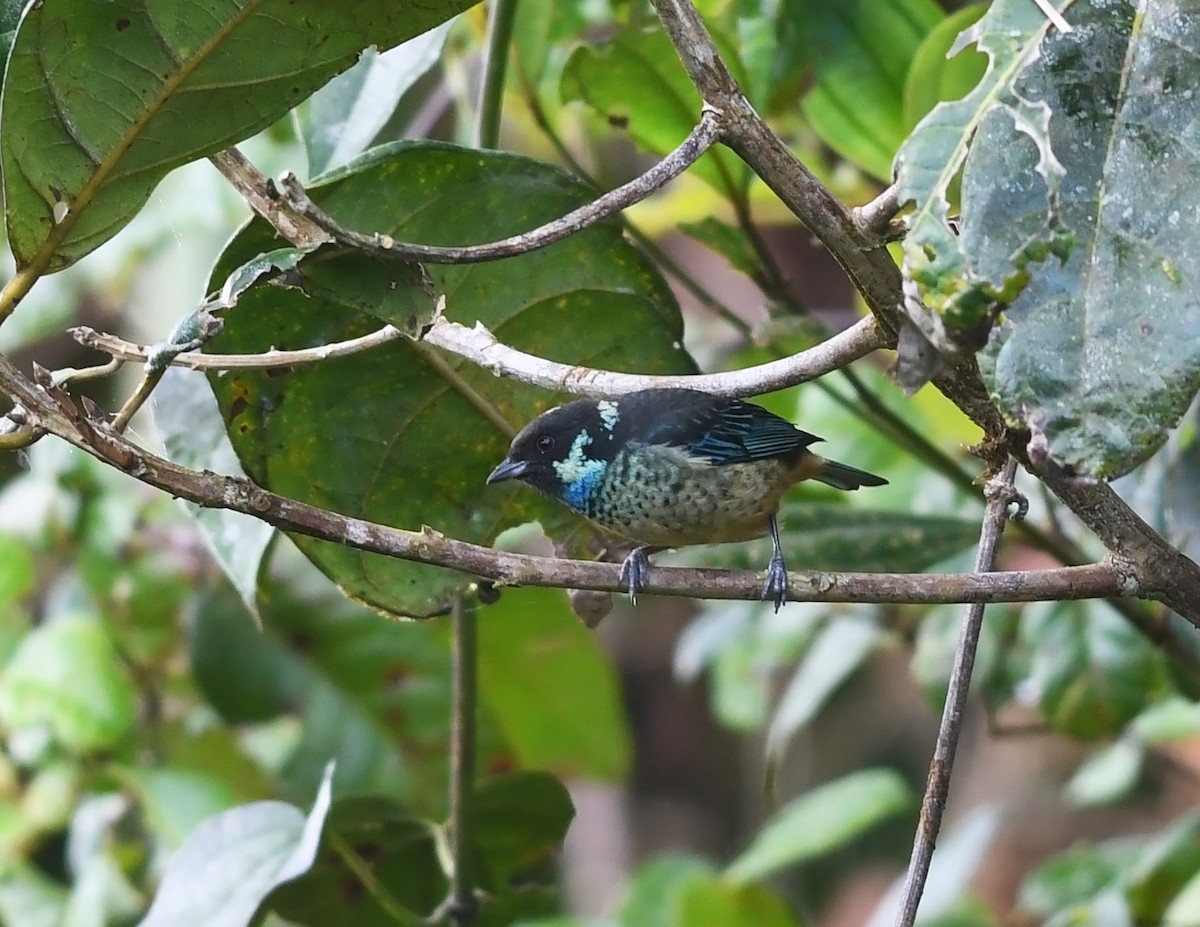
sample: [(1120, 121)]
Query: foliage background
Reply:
[(138, 697)]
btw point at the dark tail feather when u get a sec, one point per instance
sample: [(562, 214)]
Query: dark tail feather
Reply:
[(840, 476)]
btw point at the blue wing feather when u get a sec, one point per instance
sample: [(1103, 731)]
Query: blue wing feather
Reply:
[(730, 431)]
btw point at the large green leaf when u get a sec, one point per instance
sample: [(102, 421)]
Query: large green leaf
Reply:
[(101, 100), (861, 51), (390, 435), (1102, 356), (518, 820)]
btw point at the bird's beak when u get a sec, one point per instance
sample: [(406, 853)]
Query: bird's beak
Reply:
[(509, 470)]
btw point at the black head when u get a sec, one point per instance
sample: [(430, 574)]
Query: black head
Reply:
[(566, 448)]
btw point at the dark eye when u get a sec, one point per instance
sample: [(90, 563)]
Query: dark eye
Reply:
[(545, 442)]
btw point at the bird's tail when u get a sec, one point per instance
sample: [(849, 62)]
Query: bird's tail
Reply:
[(841, 476)]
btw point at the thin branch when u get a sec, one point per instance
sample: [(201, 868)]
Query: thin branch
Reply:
[(261, 195), (384, 246), (270, 360), (464, 671), (1000, 494), (481, 347)]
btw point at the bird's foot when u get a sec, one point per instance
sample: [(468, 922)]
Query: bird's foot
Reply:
[(775, 587), (633, 572)]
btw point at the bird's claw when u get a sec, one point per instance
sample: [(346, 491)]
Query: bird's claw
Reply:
[(775, 587), (633, 572)]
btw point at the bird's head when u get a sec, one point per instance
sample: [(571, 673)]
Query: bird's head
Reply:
[(563, 452)]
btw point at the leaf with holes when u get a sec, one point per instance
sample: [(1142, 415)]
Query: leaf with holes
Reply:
[(949, 302), (403, 435), (102, 100), (1099, 358)]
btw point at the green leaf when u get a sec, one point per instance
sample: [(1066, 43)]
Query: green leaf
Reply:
[(1090, 671), (861, 52), (398, 437), (821, 536), (232, 861), (339, 121), (713, 901), (398, 848), (1108, 774), (935, 75), (193, 434), (954, 302), (656, 890), (580, 729), (181, 81), (65, 674), (1071, 361), (635, 81), (823, 820), (517, 821), (841, 647)]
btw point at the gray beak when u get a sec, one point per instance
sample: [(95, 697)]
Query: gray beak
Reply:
[(508, 470)]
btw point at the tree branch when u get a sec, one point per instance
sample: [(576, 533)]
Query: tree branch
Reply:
[(50, 409)]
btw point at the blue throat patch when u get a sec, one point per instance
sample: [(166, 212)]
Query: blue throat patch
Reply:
[(579, 474)]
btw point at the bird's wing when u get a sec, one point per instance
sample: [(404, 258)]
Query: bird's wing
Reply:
[(734, 432)]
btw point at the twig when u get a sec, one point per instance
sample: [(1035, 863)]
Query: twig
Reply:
[(270, 360), (463, 904), (1000, 494), (261, 195), (383, 246)]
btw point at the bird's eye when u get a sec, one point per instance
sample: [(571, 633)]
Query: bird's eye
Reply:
[(544, 443)]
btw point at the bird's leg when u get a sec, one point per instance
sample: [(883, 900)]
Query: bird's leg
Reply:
[(633, 570), (776, 585)]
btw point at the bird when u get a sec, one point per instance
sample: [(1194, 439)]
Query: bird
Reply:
[(669, 468)]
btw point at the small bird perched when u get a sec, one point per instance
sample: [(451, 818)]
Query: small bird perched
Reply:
[(673, 467)]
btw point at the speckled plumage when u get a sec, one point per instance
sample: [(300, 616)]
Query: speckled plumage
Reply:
[(669, 468)]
